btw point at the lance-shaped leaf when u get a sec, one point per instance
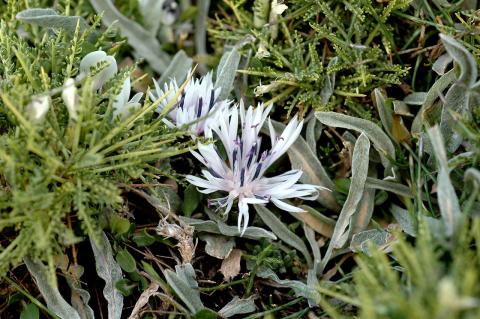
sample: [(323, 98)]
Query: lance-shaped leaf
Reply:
[(378, 238), (380, 140), (404, 219), (304, 158), (49, 18), (430, 111), (177, 69), (447, 199), (226, 71), (300, 289), (185, 285), (201, 26), (55, 302), (458, 97), (357, 185), (388, 186), (328, 83), (282, 231), (218, 227), (108, 269), (238, 306), (385, 112), (144, 43)]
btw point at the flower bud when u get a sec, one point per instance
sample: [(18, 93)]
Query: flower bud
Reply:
[(38, 108), (92, 60)]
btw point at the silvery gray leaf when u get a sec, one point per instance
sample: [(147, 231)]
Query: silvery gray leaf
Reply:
[(440, 65), (221, 228), (184, 284), (430, 111), (389, 186), (226, 72), (300, 289), (238, 306), (357, 185), (447, 199), (384, 111), (378, 238), (328, 83), (144, 43), (177, 70), (404, 219), (381, 142), (282, 231), (55, 301), (415, 98), (218, 246), (49, 18), (201, 26), (109, 270)]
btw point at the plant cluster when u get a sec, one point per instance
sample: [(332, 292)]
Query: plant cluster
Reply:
[(326, 166)]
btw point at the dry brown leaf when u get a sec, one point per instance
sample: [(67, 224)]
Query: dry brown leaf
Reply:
[(231, 265), (143, 300), (184, 236)]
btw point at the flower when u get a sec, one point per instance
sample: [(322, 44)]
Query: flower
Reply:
[(198, 106), (242, 174), (38, 108), (121, 105), (70, 98), (94, 59)]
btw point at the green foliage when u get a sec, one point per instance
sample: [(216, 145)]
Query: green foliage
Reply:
[(291, 56), (60, 175), (424, 280)]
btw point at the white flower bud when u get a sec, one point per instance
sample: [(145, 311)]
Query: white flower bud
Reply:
[(38, 108), (122, 106), (70, 98), (93, 59)]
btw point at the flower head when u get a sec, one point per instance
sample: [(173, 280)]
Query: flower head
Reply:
[(94, 59), (122, 105), (241, 175), (70, 98), (38, 108), (197, 107)]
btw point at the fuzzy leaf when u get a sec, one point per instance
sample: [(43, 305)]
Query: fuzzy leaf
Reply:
[(388, 186), (404, 219), (184, 284), (108, 269), (282, 231), (447, 199), (458, 98), (328, 83), (144, 43), (201, 26), (384, 111), (300, 289), (218, 246), (380, 140), (468, 65), (226, 71), (221, 228), (304, 158), (49, 18), (362, 240), (177, 69), (238, 306), (317, 221), (440, 65), (55, 302), (357, 185), (313, 132)]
